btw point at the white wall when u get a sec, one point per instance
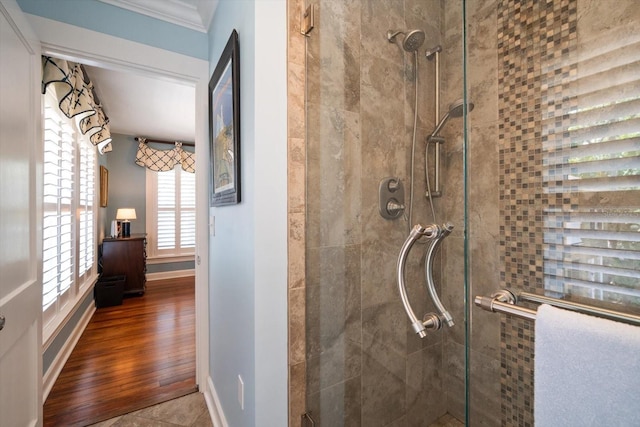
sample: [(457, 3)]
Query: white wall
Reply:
[(271, 213), (248, 254)]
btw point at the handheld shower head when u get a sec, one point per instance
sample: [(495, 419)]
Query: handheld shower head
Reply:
[(455, 110), (412, 41)]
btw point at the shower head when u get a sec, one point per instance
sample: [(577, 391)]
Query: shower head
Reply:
[(412, 41), (455, 110)]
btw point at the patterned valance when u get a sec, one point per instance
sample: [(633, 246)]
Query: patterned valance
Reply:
[(76, 98), (164, 160)]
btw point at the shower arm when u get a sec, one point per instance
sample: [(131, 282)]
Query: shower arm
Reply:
[(432, 320), (428, 269)]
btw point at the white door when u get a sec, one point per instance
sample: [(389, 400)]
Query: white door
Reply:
[(20, 235)]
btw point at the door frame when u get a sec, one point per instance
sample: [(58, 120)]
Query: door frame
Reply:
[(97, 49)]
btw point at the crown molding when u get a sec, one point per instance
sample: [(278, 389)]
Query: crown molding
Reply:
[(195, 15)]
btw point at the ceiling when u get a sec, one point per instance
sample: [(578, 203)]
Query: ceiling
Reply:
[(194, 14), (144, 106), (150, 107)]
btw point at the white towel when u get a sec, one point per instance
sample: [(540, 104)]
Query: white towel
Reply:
[(587, 370)]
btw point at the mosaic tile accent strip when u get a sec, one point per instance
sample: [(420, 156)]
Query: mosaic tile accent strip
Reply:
[(535, 38)]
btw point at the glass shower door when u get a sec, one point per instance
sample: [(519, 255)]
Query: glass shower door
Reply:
[(365, 62)]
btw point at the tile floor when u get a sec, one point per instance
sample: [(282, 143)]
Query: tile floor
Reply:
[(447, 420), (187, 411), (191, 411)]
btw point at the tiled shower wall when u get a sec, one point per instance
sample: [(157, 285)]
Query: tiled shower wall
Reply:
[(364, 365), (296, 164)]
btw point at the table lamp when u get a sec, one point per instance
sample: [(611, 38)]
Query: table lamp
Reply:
[(126, 214)]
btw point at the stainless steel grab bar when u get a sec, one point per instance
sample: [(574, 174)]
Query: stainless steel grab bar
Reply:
[(505, 301), (431, 320), (428, 272)]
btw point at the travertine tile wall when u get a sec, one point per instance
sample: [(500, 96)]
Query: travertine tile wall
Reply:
[(362, 365), (296, 212)]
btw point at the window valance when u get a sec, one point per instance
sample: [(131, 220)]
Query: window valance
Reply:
[(164, 160), (77, 99)]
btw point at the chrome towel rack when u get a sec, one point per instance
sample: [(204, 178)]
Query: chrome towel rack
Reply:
[(505, 301)]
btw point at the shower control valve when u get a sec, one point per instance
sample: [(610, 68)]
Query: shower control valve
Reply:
[(391, 198), (394, 208)]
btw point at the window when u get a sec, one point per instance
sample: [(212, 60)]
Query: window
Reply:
[(592, 244), (68, 225), (171, 213)]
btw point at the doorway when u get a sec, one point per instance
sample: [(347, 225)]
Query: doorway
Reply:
[(69, 42)]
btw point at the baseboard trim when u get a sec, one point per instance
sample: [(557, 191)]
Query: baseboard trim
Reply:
[(161, 275), (50, 377), (213, 404)]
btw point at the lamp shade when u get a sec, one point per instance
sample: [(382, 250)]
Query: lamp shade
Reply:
[(126, 213)]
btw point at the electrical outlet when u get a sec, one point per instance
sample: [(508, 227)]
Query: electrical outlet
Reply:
[(241, 392)]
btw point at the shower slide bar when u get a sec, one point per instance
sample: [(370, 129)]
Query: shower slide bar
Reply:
[(504, 301)]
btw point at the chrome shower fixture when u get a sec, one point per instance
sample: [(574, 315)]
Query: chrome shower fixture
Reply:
[(430, 53), (412, 41), (455, 110)]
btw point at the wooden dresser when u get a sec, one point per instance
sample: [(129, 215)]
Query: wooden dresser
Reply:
[(126, 256)]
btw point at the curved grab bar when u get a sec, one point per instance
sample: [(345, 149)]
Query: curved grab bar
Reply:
[(428, 271), (431, 231)]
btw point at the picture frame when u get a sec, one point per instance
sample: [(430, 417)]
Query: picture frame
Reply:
[(104, 187), (224, 126)]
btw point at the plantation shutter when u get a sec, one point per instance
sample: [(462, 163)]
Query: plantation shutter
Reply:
[(592, 246), (176, 213), (86, 240), (58, 221), (166, 210)]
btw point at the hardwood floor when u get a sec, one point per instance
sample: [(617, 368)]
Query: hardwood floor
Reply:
[(129, 357)]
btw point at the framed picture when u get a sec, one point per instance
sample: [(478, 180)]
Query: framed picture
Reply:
[(104, 187), (224, 126)]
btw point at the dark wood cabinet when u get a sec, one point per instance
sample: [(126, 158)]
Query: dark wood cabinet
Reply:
[(126, 256)]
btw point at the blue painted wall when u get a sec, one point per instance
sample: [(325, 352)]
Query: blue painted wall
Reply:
[(127, 189), (118, 22), (232, 250), (248, 255), (59, 341), (127, 182)]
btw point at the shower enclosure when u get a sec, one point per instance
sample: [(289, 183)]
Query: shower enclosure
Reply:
[(539, 169)]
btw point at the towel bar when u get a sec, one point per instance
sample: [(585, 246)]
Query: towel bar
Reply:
[(504, 301)]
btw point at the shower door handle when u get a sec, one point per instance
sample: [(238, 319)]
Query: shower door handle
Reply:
[(428, 269), (431, 321)]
